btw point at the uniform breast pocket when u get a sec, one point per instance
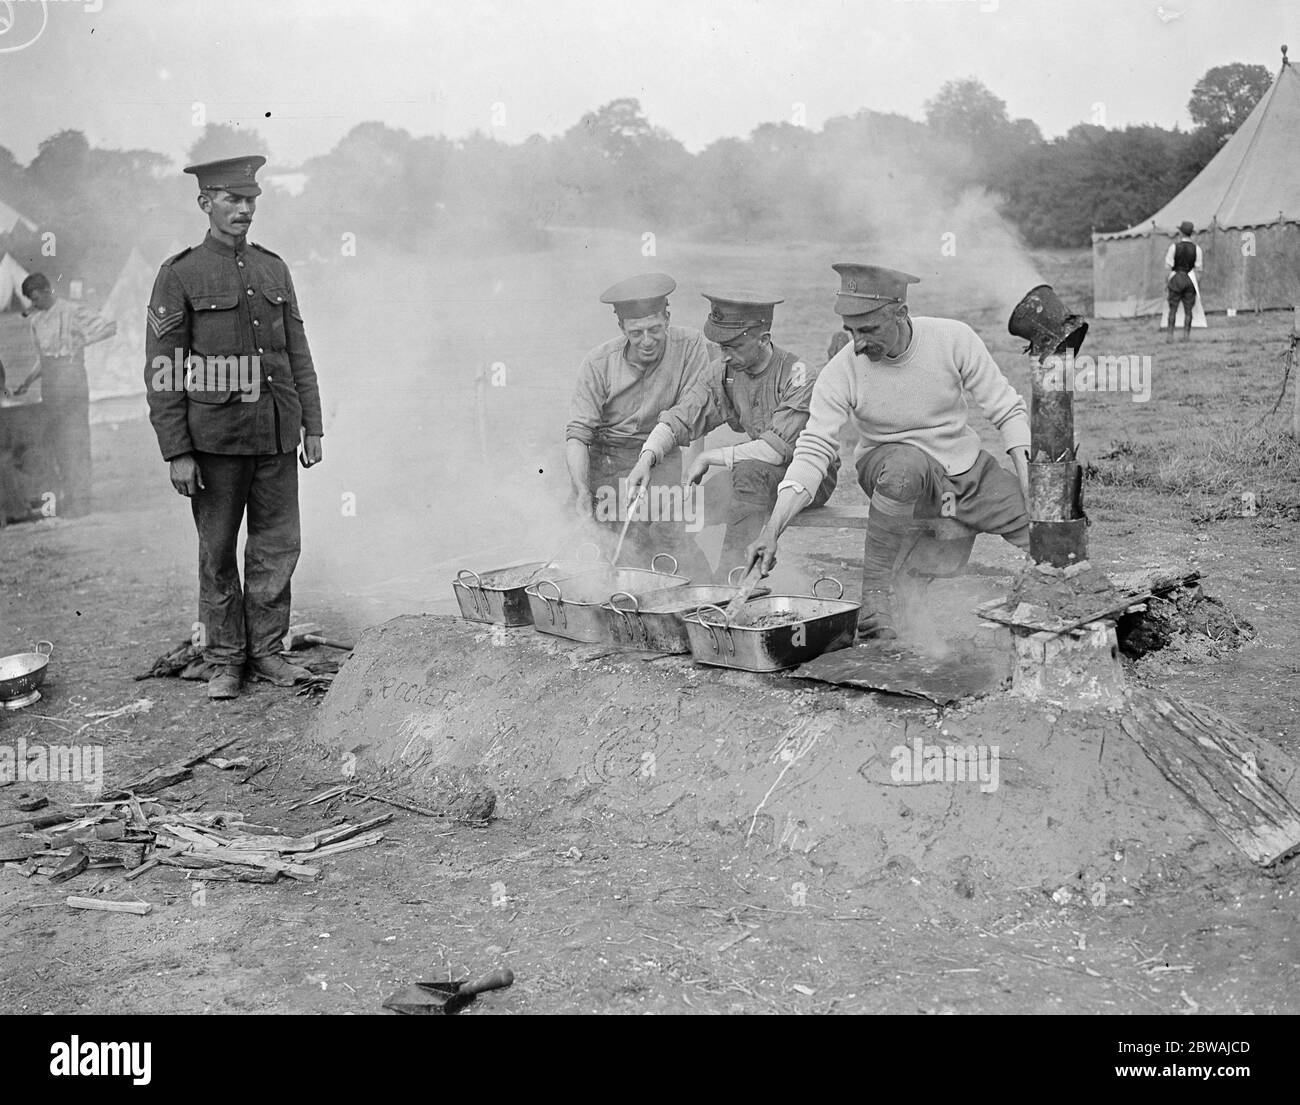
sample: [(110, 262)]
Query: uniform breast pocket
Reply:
[(216, 323), (277, 302)]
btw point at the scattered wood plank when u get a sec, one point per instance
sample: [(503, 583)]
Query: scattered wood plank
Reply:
[(147, 866), (31, 824), (348, 845), (193, 836), (32, 804), (129, 855), (71, 867), (192, 860), (231, 873), (169, 774), (325, 796), (17, 848), (346, 831), (421, 810), (140, 909), (1211, 760)]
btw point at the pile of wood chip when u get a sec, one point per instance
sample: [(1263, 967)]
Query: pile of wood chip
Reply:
[(134, 830)]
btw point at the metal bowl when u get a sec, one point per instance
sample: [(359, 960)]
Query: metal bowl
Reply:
[(21, 676)]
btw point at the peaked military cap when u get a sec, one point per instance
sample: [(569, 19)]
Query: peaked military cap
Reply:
[(737, 312), (640, 296), (867, 288), (237, 175)]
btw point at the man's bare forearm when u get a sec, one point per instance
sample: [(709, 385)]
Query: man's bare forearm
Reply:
[(789, 503), (578, 461)]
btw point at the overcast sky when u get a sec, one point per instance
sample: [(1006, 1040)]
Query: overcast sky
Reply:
[(129, 73)]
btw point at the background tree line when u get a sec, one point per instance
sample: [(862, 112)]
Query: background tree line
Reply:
[(613, 167)]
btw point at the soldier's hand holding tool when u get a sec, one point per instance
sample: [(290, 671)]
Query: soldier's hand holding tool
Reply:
[(762, 552), (639, 477)]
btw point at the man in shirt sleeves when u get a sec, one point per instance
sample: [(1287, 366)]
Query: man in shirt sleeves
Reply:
[(623, 385), (904, 382), (61, 332), (756, 388)]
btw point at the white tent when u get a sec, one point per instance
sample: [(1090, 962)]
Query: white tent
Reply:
[(12, 275), (1245, 206), (11, 220), (115, 367)]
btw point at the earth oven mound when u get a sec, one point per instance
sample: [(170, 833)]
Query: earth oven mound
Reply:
[(671, 751)]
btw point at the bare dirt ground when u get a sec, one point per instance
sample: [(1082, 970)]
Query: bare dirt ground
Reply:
[(592, 914)]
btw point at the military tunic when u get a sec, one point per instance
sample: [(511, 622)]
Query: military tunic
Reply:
[(230, 381), (217, 301), (772, 407)]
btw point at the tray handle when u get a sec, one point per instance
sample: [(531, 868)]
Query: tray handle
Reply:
[(828, 579), (655, 560), (713, 628), (554, 606), (598, 558), (475, 590), (635, 607), (733, 580), (49, 647), (629, 626)]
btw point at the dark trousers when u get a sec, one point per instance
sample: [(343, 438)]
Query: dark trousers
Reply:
[(753, 495), (65, 433), (660, 522), (1181, 290), (252, 619)]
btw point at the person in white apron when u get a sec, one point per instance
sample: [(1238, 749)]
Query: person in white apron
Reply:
[(1184, 260)]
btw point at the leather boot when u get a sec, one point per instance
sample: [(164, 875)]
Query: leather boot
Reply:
[(276, 669), (888, 526), (225, 684)]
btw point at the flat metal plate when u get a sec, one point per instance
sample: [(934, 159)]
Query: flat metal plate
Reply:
[(889, 667)]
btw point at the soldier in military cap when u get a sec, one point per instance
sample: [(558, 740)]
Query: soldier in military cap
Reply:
[(232, 394), (904, 382), (623, 386), (756, 388)]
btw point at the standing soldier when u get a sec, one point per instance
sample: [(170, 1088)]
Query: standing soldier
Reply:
[(61, 331), (232, 390), (623, 386), (756, 388)]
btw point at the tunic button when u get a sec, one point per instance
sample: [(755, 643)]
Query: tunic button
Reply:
[(259, 349), (240, 264), (256, 323), (250, 291)]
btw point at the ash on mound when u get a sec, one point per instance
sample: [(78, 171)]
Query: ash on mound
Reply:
[(674, 751)]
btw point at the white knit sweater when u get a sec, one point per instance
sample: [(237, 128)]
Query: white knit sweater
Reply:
[(919, 399)]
